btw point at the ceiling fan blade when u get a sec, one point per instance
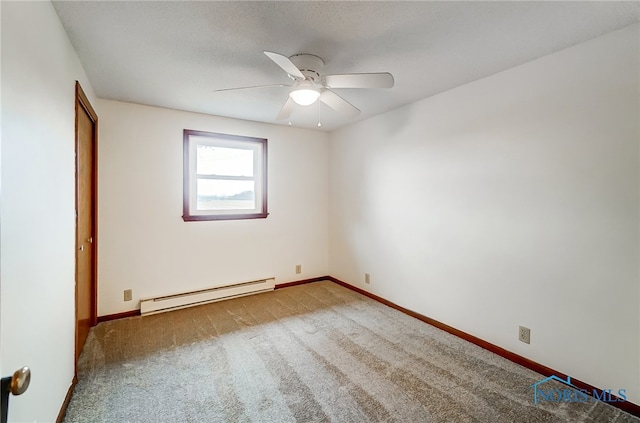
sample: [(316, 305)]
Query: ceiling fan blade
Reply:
[(286, 110), (254, 86), (285, 63), (339, 104), (360, 80)]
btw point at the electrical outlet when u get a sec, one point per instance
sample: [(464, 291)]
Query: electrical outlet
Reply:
[(128, 295), (367, 278), (298, 269), (524, 335)]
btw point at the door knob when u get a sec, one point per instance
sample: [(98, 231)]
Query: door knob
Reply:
[(16, 385), (81, 247), (20, 381)]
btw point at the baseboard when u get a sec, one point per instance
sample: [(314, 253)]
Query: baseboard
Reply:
[(130, 313), (627, 406), (133, 313), (302, 282), (67, 398)]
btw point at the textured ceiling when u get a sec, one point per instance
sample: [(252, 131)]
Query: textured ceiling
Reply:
[(175, 54)]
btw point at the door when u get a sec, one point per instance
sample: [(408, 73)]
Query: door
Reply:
[(86, 240)]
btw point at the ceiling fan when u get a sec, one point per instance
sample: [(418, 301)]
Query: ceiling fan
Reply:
[(310, 85)]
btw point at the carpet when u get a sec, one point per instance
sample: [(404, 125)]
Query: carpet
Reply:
[(310, 353)]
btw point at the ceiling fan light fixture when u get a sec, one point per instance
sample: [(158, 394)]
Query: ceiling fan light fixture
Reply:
[(304, 96)]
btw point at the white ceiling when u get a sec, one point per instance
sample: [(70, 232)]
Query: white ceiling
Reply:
[(175, 54)]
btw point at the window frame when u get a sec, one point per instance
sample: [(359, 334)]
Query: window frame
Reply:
[(257, 145)]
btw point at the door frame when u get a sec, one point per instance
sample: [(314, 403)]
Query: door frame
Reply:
[(81, 101)]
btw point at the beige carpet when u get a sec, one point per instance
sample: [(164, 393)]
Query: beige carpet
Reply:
[(311, 353)]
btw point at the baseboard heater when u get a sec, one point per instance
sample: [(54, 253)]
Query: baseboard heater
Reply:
[(189, 299)]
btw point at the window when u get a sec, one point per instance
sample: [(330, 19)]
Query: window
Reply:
[(225, 177)]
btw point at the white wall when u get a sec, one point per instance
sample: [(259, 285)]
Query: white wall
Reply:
[(513, 200), (39, 69), (143, 243)]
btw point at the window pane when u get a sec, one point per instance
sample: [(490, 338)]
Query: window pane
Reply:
[(224, 161), (214, 194), (225, 176)]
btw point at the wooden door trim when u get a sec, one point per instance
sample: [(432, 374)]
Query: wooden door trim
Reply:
[(81, 101)]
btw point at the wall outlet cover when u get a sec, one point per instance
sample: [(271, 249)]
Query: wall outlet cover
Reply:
[(524, 334)]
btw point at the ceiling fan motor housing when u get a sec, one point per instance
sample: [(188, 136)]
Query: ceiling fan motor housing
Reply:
[(309, 64)]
